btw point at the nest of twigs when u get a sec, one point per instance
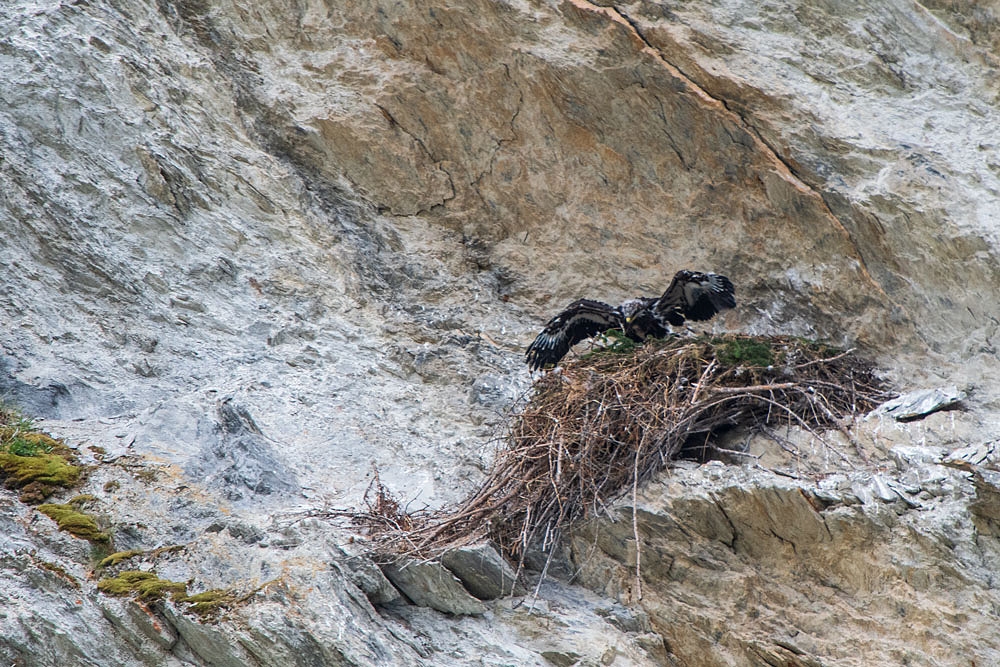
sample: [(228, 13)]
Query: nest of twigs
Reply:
[(598, 428)]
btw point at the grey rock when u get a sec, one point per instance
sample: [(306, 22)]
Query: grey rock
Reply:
[(982, 454), (774, 533), (562, 658), (483, 571), (653, 643), (242, 459), (627, 619), (986, 508), (367, 576), (920, 403), (205, 643), (432, 585), (882, 491)]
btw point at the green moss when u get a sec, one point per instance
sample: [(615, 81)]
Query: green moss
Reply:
[(118, 557), (743, 351), (209, 602), (19, 437), (145, 585), (74, 522), (50, 469), (614, 342)]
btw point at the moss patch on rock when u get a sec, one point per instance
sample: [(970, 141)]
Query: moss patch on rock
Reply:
[(33, 462), (74, 522), (147, 586), (210, 602), (144, 585), (50, 469), (118, 557)]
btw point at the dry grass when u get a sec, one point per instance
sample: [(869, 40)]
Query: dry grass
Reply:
[(602, 425)]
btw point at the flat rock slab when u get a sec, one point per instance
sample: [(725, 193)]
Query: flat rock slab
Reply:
[(432, 585), (483, 571), (370, 579), (981, 454), (920, 403)]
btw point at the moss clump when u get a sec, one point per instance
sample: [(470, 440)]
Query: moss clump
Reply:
[(43, 468), (28, 444), (209, 602), (18, 440), (118, 557), (145, 585), (744, 351), (33, 462), (74, 522), (38, 476)]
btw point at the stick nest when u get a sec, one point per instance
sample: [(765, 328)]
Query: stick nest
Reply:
[(598, 428)]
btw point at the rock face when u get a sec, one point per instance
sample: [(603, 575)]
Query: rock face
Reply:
[(752, 567), (252, 251)]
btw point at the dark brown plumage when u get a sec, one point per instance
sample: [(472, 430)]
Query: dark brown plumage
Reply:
[(690, 296)]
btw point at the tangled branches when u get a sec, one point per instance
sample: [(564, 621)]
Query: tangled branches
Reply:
[(607, 422)]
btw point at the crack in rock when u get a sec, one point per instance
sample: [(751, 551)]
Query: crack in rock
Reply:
[(781, 165), (437, 164)]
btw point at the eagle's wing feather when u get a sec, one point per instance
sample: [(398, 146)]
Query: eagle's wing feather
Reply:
[(581, 319), (695, 296)]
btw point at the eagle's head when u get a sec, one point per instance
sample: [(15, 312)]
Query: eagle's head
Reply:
[(689, 276), (631, 308)]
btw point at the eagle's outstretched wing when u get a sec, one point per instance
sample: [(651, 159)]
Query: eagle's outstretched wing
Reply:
[(581, 319), (694, 296)]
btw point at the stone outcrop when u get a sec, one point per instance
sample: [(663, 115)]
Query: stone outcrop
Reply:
[(432, 585), (750, 566), (483, 571), (252, 251)]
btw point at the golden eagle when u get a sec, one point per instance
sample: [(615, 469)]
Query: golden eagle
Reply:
[(691, 296)]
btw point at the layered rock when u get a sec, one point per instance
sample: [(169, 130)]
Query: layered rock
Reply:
[(254, 250), (764, 565)]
